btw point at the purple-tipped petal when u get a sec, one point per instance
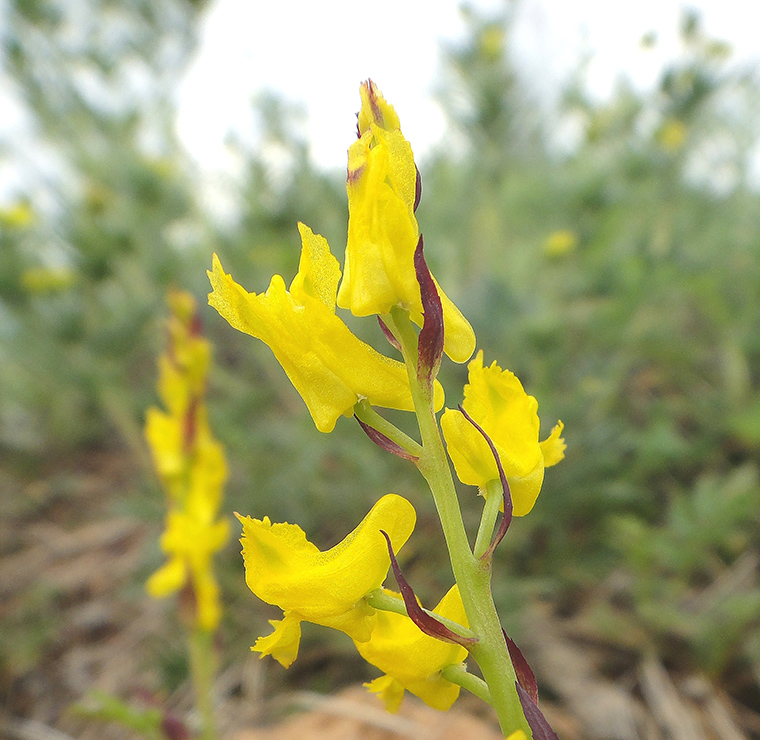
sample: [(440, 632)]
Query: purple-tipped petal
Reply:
[(427, 624), (525, 676), (377, 111), (536, 721), (430, 343), (506, 520), (389, 334), (417, 188), (385, 442)]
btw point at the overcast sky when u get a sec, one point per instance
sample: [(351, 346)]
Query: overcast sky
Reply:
[(316, 52)]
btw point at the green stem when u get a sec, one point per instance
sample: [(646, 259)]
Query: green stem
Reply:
[(383, 601), (203, 669), (364, 412), (458, 674), (472, 575), (493, 496)]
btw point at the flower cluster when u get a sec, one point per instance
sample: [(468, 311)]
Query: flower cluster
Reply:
[(190, 464), (492, 440)]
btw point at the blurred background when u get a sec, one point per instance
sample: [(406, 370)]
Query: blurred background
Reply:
[(590, 201)]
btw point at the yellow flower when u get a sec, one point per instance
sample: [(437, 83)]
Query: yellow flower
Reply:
[(17, 216), (559, 243), (496, 400), (382, 228), (283, 568), (328, 365), (41, 280), (672, 135), (190, 464), (411, 660), (190, 540), (518, 735)]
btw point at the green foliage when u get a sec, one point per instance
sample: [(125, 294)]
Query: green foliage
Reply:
[(693, 574), (146, 721)]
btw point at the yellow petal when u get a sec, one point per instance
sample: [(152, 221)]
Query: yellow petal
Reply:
[(168, 579), (383, 232), (518, 735), (389, 690), (283, 568), (399, 649), (283, 643), (318, 271), (206, 590), (328, 365), (375, 109), (496, 400), (553, 447)]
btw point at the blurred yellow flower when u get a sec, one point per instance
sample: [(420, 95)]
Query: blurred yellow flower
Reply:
[(491, 42), (518, 735), (411, 660), (672, 135), (561, 242), (496, 400), (190, 464), (17, 216), (328, 365), (41, 280), (383, 233), (283, 568)]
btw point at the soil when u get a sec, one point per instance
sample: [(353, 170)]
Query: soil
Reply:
[(75, 618)]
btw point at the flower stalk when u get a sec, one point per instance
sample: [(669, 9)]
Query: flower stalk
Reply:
[(203, 669), (472, 575)]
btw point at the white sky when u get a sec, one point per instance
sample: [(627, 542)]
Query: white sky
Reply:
[(316, 52)]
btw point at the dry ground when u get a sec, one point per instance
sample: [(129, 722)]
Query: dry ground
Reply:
[(74, 619)]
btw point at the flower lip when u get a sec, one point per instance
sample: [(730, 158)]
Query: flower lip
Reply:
[(324, 587)]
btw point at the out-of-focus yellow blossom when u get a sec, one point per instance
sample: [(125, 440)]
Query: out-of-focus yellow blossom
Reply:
[(559, 243), (411, 660), (190, 464), (328, 365), (518, 735), (190, 541), (17, 216), (496, 400), (41, 280), (283, 568), (383, 233), (491, 42), (672, 135)]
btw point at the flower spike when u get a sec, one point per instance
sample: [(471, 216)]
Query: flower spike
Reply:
[(385, 442), (536, 721), (430, 345), (428, 624), (525, 676), (506, 519)]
